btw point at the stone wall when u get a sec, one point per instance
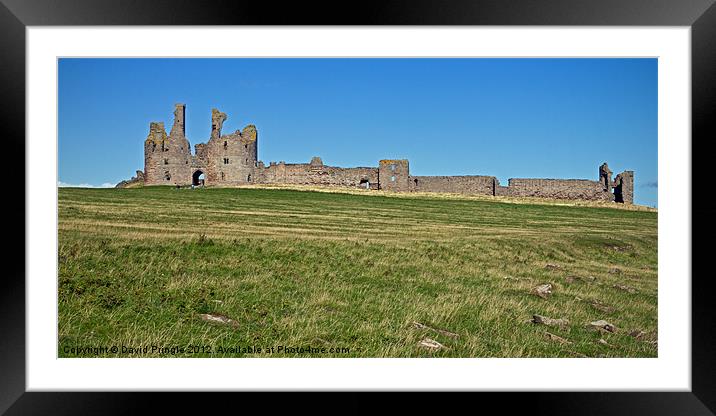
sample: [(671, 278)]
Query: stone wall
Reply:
[(483, 185), (200, 156), (556, 188), (501, 190), (136, 180), (316, 173)]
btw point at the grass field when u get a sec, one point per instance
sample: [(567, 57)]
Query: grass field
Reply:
[(371, 276)]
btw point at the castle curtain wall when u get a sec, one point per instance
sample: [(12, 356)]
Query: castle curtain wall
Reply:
[(557, 189), (232, 159), (482, 185), (307, 174)]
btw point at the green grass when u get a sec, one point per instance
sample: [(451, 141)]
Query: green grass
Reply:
[(138, 267)]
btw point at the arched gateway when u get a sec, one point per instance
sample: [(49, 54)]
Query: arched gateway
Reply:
[(197, 179)]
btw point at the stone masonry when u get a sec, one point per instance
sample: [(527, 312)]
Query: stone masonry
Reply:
[(232, 159)]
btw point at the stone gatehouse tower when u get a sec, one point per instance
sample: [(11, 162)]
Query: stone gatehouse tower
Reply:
[(232, 159), (224, 159)]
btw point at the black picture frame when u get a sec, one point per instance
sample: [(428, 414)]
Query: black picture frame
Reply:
[(699, 15)]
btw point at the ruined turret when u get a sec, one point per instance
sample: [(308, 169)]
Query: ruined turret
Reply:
[(624, 187), (249, 133), (178, 127), (157, 134), (154, 149), (230, 158), (217, 122), (167, 158), (394, 175), (605, 177)]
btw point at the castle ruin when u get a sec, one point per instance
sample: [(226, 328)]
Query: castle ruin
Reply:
[(232, 159)]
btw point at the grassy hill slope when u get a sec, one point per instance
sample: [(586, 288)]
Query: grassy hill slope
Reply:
[(374, 274)]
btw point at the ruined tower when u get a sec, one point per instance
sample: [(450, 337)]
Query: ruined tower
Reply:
[(167, 158), (232, 158), (605, 176), (624, 187), (394, 175), (154, 150)]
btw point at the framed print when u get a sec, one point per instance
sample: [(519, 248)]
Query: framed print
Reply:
[(471, 197)]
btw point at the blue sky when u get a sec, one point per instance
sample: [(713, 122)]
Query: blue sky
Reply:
[(511, 118)]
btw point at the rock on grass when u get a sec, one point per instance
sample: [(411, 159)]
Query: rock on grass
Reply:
[(543, 291), (219, 319), (431, 344), (637, 333), (552, 337), (603, 325), (600, 306), (543, 320), (624, 288)]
